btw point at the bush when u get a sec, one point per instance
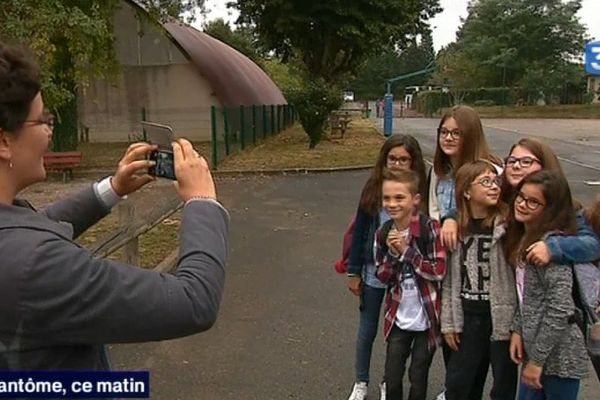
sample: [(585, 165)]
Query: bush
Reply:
[(314, 101), (430, 101), (496, 95)]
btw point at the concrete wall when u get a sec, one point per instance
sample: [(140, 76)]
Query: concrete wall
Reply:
[(170, 94), (155, 76)]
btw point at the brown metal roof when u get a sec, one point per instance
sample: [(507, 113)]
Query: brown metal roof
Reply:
[(235, 79)]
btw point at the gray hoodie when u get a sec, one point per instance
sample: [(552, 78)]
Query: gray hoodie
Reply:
[(503, 295), (60, 303), (543, 321)]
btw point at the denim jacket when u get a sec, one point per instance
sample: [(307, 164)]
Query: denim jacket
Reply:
[(580, 248), (570, 249), (446, 200), (362, 260)]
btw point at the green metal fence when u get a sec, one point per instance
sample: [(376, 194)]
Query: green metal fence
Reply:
[(236, 128)]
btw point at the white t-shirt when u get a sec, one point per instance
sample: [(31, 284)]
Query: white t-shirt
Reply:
[(411, 315)]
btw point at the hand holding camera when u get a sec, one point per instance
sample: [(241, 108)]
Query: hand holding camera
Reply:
[(162, 136), (193, 175), (127, 180), (164, 157)]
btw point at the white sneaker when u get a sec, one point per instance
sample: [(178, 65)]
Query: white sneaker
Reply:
[(441, 396), (359, 391), (382, 391)]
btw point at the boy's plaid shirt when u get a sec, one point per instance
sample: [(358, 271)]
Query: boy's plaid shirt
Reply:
[(429, 268)]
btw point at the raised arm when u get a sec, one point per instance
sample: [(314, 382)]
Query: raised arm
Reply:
[(580, 248), (68, 296), (431, 266)]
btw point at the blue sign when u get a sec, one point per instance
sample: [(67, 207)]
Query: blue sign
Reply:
[(592, 58)]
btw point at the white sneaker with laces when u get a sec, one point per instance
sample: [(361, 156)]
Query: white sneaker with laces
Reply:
[(359, 391), (441, 396), (382, 391)]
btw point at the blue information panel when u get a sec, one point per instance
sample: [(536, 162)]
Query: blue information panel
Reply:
[(592, 58), (388, 115)]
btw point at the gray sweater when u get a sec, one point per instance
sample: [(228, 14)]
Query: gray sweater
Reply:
[(543, 321), (503, 296), (60, 304)]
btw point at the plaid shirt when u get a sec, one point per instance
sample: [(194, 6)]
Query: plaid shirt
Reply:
[(429, 269)]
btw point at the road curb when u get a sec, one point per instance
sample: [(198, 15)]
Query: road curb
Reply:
[(291, 171), (242, 172)]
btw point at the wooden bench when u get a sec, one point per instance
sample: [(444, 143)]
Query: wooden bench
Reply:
[(339, 122), (63, 161)]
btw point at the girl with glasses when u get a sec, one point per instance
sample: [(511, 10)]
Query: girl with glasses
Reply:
[(399, 152), (460, 140), (545, 340), (479, 298), (530, 155)]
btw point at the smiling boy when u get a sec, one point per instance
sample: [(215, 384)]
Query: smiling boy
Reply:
[(412, 262)]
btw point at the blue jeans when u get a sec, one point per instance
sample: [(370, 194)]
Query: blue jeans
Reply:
[(553, 388), (370, 306)]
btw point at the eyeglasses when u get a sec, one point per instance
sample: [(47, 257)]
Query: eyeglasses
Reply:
[(402, 160), (530, 203), (524, 162), (488, 182), (47, 119), (454, 134)]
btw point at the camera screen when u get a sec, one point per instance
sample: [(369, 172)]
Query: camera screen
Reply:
[(165, 166)]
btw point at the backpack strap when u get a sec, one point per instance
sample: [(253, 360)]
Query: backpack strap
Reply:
[(422, 240), (579, 317)]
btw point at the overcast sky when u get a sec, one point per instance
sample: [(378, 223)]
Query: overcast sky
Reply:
[(444, 25)]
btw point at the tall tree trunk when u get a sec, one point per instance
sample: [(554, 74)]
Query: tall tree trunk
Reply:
[(64, 137)]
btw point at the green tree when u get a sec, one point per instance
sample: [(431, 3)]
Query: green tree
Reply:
[(332, 39), (517, 43), (243, 39), (73, 40), (457, 72), (285, 76), (371, 80)]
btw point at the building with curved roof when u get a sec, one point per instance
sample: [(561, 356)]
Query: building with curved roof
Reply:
[(172, 74)]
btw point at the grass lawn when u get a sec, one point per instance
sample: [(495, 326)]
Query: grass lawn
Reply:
[(289, 149), (286, 150), (571, 111)]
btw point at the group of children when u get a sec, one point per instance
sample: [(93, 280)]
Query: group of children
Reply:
[(491, 284)]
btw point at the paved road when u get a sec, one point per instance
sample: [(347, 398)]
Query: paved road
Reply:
[(287, 325)]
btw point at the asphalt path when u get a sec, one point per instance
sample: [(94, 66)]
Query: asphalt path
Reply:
[(287, 324)]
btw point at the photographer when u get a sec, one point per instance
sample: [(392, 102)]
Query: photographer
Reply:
[(59, 303)]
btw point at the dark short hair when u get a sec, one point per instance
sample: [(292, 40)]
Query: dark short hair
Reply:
[(19, 84), (407, 177)]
